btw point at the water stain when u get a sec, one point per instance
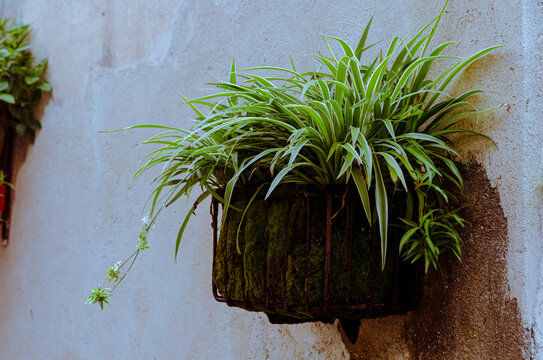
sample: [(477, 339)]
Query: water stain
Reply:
[(466, 314)]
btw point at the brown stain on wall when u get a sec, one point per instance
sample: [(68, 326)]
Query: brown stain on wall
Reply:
[(468, 313)]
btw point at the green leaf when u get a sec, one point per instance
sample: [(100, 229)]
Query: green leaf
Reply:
[(381, 204), (360, 47), (29, 80), (20, 129), (389, 128), (186, 220), (45, 86), (406, 238), (194, 108), (347, 162), (295, 151), (34, 124), (329, 64), (346, 48), (7, 98), (411, 70), (233, 180), (238, 250), (356, 76), (362, 191), (375, 79), (233, 71), (420, 136), (455, 69), (419, 152), (394, 167), (367, 154), (280, 176)]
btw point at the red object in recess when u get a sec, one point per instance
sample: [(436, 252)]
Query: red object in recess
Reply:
[(3, 191)]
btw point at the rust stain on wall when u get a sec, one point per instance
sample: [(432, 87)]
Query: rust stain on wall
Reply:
[(467, 313)]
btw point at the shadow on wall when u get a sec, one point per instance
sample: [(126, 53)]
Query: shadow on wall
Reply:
[(21, 146), (467, 314)]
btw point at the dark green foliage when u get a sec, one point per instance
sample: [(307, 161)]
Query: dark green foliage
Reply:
[(21, 82)]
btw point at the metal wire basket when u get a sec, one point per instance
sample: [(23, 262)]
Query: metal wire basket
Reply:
[(308, 254)]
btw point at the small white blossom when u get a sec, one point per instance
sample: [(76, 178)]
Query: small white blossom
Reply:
[(146, 220), (117, 265)]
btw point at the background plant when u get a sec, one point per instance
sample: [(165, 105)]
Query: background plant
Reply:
[(21, 82), (378, 124)]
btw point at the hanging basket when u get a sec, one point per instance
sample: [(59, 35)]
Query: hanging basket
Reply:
[(308, 254)]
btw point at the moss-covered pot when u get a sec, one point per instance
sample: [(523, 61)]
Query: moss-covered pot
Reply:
[(274, 259)]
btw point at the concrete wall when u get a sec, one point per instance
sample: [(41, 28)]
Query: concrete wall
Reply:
[(115, 63)]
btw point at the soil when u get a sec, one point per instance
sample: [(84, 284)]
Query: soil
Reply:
[(466, 313)]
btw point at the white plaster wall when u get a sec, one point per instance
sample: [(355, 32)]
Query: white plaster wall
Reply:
[(115, 63)]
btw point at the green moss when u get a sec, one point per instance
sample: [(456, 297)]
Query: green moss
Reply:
[(296, 249), (255, 251), (338, 278), (384, 280), (275, 259), (262, 266), (234, 261), (317, 250), (361, 260), (219, 268)]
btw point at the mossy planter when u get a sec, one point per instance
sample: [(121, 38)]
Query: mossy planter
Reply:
[(308, 254)]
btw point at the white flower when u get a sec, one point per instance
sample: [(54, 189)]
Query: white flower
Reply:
[(146, 220)]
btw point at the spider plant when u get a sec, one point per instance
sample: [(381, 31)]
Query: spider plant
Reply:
[(380, 124)]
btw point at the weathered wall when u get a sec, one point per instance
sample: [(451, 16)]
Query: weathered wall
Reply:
[(119, 63)]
